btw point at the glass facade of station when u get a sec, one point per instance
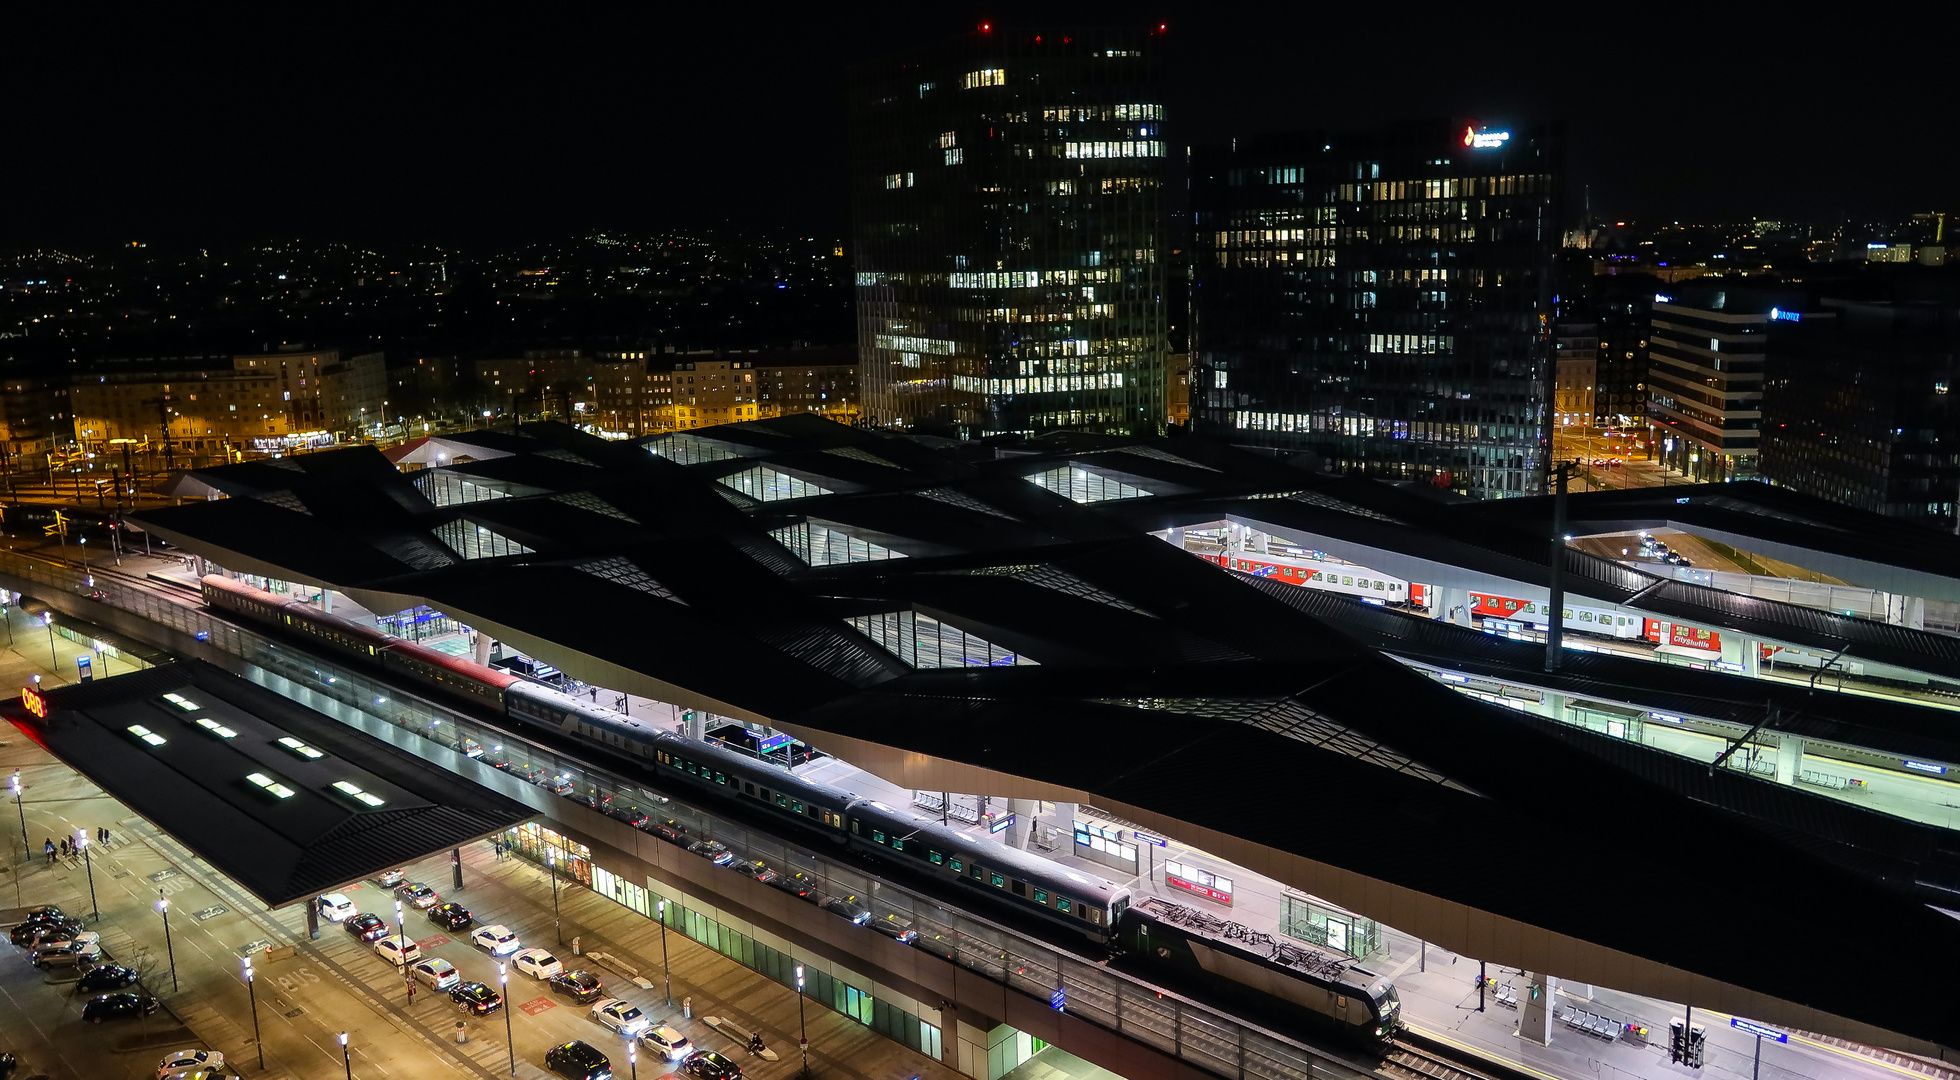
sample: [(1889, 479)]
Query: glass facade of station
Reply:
[(1382, 300), (1007, 193)]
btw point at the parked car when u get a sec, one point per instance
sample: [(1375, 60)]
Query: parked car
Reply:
[(451, 916), (578, 1061), (496, 939), (391, 878), (666, 1042), (712, 850), (582, 798), (105, 977), (631, 815), (671, 831), (74, 954), (118, 1007), (758, 870), (419, 895), (845, 909), (892, 927), (580, 986), (438, 973), (537, 963), (32, 933), (708, 1065), (476, 998), (335, 907), (557, 785), (189, 1059), (366, 926), (397, 950), (797, 884), (621, 1016)]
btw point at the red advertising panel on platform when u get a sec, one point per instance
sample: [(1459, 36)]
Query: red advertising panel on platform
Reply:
[(1694, 637), (1207, 892)]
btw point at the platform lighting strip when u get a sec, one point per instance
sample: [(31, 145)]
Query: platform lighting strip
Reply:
[(269, 784), (301, 748), (354, 791), (182, 702), (146, 735), (216, 728)]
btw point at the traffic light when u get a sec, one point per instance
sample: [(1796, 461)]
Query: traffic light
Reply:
[(1677, 1040), (1697, 1045)]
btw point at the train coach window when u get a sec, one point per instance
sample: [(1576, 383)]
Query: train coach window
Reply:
[(999, 882), (955, 866), (720, 779), (898, 843), (877, 836), (795, 807), (1040, 897), (935, 858), (782, 800), (1062, 904), (748, 788)]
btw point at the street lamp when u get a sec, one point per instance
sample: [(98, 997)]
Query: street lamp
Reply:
[(344, 1059), (551, 857), (252, 988), (803, 1030), (666, 976), (633, 1056), (510, 1042), (47, 619), (28, 852), (81, 841), (163, 909)]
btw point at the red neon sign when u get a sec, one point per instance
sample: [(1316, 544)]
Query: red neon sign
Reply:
[(34, 702)]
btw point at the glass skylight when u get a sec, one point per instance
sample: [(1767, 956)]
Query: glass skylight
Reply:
[(216, 728), (354, 791), (146, 735), (182, 702), (270, 785), (301, 748)]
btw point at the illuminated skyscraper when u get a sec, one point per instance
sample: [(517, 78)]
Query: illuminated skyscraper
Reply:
[(1008, 192), (1382, 299)]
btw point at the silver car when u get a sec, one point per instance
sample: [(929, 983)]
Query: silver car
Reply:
[(75, 954)]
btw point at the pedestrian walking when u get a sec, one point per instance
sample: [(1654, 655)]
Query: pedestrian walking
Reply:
[(64, 847), (102, 834), (49, 848)]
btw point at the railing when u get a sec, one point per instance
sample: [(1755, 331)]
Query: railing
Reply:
[(1188, 1030)]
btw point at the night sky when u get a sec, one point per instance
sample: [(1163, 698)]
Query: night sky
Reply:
[(500, 126)]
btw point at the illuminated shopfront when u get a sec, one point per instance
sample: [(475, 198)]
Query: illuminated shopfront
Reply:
[(535, 843)]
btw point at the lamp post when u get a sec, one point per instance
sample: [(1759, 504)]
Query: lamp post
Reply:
[(633, 1056), (252, 988), (666, 976), (23, 815), (401, 930), (47, 619), (802, 1030), (503, 987), (84, 542), (163, 909), (551, 859), (81, 841), (345, 1060)]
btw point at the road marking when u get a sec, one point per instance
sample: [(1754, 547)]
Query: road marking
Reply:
[(538, 1005)]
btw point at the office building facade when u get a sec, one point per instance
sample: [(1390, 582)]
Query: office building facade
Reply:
[(1705, 379), (1382, 299), (1007, 197), (1861, 405)]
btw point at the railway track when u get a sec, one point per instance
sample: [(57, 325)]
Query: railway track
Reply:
[(1406, 1062)]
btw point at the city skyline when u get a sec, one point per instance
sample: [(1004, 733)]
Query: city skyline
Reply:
[(446, 133)]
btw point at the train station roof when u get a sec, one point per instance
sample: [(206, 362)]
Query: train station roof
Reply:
[(281, 799), (996, 617)]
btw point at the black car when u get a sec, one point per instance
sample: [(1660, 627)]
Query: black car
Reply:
[(708, 1065), (367, 926), (583, 799), (631, 815), (451, 916), (671, 831), (29, 934), (712, 850), (844, 909), (578, 1061), (580, 986), (891, 927), (758, 870), (477, 998), (118, 1007), (798, 885), (100, 980)]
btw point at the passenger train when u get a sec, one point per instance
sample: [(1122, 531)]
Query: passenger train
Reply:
[(995, 874), (1344, 578)]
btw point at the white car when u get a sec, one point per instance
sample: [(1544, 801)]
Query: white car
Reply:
[(335, 907), (537, 963), (390, 878), (189, 1059), (666, 1042), (496, 939), (621, 1016), (397, 950), (439, 974)]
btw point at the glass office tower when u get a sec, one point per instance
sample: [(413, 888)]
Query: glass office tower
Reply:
[(1382, 299), (1007, 191)]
